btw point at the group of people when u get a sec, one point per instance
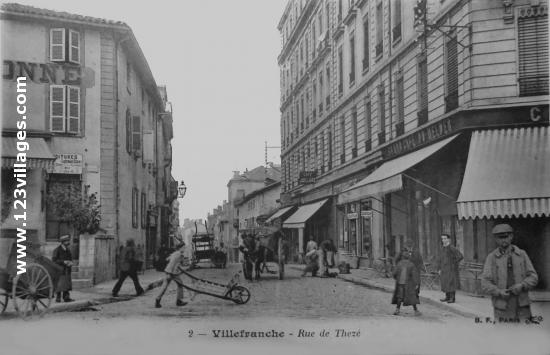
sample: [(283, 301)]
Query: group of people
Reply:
[(507, 276), (319, 258)]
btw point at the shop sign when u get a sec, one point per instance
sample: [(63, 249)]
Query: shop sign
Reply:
[(352, 215), (68, 164), (307, 177), (49, 73), (366, 214), (418, 139)]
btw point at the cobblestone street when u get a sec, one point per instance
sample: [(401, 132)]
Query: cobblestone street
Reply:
[(295, 296)]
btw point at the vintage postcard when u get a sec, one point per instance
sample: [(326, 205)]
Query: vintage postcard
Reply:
[(275, 176)]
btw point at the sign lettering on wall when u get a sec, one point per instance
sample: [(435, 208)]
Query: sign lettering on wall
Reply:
[(49, 73), (68, 164), (419, 138)]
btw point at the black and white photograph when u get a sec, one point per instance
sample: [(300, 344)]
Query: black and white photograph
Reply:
[(274, 177)]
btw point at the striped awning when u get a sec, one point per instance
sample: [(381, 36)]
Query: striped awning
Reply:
[(278, 214), (507, 174), (38, 156)]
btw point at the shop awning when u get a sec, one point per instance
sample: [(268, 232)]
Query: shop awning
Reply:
[(38, 155), (299, 218), (507, 174), (388, 177), (278, 214)]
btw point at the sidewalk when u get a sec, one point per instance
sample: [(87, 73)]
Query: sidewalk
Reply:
[(101, 293), (466, 304)]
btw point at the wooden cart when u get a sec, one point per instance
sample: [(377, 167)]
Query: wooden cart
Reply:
[(32, 291)]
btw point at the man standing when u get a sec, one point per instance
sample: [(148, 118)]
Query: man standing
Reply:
[(176, 263), (62, 257), (508, 275), (447, 264), (128, 267)]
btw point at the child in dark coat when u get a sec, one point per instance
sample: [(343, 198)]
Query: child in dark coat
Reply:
[(407, 281)]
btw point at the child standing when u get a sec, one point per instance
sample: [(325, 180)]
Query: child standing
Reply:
[(407, 282), (176, 263)]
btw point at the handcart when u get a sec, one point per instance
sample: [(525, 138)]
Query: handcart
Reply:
[(31, 292), (232, 291)]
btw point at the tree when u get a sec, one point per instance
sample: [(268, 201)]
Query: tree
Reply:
[(79, 209)]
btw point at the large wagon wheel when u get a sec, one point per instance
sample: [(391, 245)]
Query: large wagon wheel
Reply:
[(3, 302), (32, 291), (281, 259)]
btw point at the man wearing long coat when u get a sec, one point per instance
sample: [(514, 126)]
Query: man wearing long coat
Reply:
[(447, 264), (62, 257)]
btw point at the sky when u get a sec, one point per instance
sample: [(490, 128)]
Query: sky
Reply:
[(218, 60)]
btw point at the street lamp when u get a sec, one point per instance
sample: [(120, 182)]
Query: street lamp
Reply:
[(182, 189)]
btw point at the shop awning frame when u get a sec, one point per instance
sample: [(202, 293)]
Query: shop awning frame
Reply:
[(278, 214), (507, 174), (39, 155), (299, 218), (388, 177)]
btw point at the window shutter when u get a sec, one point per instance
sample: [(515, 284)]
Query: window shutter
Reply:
[(74, 46), (423, 84), (136, 134), (128, 132), (533, 53), (400, 99), (452, 74), (73, 107), (57, 108), (57, 44)]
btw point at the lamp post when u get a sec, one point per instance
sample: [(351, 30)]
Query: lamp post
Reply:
[(182, 189)]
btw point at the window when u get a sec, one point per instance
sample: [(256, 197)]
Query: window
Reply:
[(129, 77), (328, 86), (400, 102), (133, 134), (368, 125), (64, 108), (366, 43), (422, 87), (327, 14), (396, 30), (354, 132), (352, 60), (321, 91), (339, 11), (340, 71), (135, 207), (533, 51), (451, 97), (381, 115), (329, 152), (64, 45), (343, 140), (143, 210), (379, 30), (322, 137), (69, 183)]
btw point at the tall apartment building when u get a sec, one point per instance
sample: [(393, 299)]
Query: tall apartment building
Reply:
[(404, 119), (95, 119)]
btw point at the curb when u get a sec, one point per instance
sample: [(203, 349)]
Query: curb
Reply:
[(80, 304)]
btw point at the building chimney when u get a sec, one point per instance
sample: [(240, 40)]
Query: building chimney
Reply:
[(236, 174)]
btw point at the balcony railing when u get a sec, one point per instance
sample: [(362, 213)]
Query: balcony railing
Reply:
[(368, 145), (396, 32), (379, 48), (451, 101), (381, 137), (422, 116), (399, 128)]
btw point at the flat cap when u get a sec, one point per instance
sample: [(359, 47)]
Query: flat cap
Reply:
[(502, 229), (64, 238)]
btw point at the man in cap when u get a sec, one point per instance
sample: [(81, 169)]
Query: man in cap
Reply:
[(62, 257), (508, 275), (177, 261)]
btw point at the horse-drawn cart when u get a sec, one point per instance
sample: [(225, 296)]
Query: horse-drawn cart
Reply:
[(32, 291), (262, 248)]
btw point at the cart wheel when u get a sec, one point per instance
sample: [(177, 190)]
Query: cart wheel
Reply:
[(239, 294), (32, 291), (3, 302)]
